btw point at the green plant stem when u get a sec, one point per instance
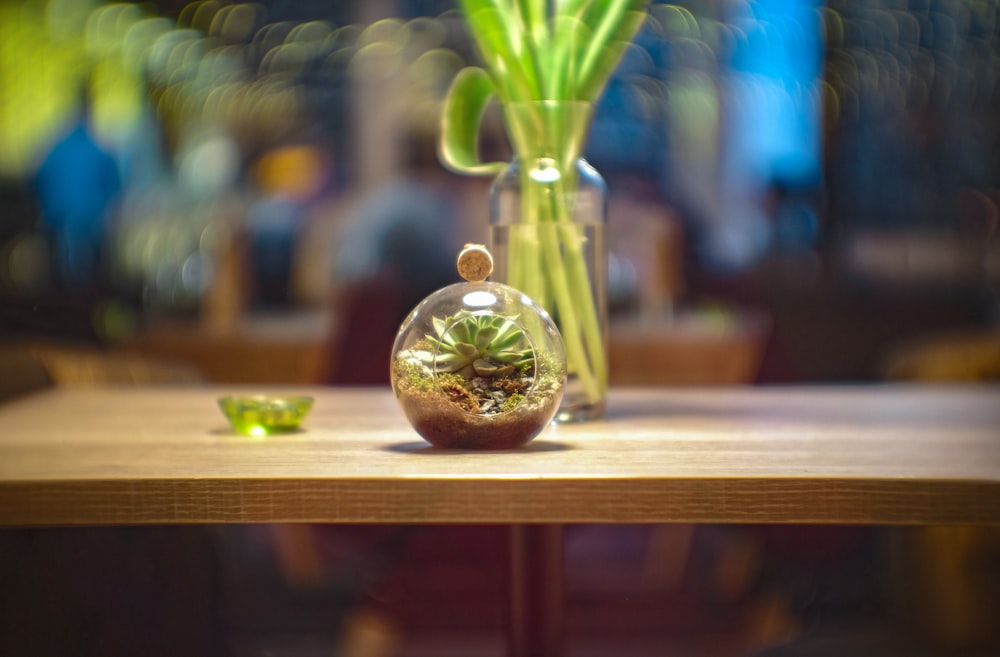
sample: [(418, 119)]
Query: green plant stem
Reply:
[(545, 59), (546, 257)]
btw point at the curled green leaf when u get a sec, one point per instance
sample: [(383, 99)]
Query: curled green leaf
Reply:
[(470, 93)]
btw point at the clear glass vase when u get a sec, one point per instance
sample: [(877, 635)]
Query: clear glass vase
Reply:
[(547, 233)]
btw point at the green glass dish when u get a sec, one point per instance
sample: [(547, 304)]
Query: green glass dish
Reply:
[(260, 415)]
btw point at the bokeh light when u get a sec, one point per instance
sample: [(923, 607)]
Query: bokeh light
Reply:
[(837, 138)]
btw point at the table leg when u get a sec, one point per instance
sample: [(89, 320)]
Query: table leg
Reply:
[(537, 594)]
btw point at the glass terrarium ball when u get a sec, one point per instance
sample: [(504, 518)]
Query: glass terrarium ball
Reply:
[(478, 365)]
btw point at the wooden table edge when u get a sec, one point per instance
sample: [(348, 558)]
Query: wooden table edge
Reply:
[(723, 500)]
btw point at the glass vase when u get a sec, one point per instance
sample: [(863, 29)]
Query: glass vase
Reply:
[(548, 212)]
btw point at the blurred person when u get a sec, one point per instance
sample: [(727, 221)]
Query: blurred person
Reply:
[(289, 180), (77, 185), (397, 247)]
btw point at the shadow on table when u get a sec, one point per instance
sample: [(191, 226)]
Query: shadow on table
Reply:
[(425, 449)]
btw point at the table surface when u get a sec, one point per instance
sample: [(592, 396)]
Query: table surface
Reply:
[(881, 454)]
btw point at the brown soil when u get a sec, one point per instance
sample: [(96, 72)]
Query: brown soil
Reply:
[(445, 424), (461, 397)]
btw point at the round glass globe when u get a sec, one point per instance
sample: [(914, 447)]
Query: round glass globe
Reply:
[(478, 365)]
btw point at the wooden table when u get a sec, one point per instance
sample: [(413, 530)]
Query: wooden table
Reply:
[(879, 455), (889, 454)]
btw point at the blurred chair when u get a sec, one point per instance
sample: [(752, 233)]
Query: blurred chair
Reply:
[(719, 347), (21, 372), (652, 339), (955, 357)]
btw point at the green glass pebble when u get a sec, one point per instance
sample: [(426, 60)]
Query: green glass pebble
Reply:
[(262, 416)]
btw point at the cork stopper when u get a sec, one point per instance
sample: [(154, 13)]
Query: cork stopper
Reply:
[(475, 263)]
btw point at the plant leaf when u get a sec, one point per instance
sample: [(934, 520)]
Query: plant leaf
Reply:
[(571, 36), (612, 37), (465, 329), (508, 335), (502, 46), (486, 336), (470, 92), (449, 362), (506, 342), (439, 327), (466, 349), (515, 357)]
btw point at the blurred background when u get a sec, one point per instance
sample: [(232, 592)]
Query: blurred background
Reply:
[(800, 192)]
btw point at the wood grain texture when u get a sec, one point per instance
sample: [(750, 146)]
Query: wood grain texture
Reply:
[(874, 455)]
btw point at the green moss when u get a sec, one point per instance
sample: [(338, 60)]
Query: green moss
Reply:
[(511, 402), (548, 365), (416, 377), (447, 378)]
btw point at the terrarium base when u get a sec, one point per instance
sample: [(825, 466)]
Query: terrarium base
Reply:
[(445, 425)]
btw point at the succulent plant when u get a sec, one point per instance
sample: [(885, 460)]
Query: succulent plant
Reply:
[(478, 345)]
